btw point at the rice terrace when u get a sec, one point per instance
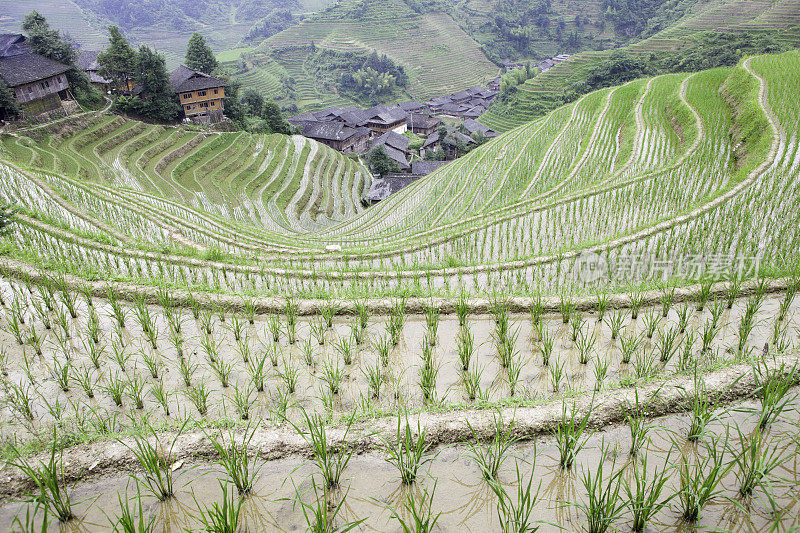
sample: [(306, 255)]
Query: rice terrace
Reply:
[(589, 322)]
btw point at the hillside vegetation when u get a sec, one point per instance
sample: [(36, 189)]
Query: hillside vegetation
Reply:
[(778, 21), (515, 214)]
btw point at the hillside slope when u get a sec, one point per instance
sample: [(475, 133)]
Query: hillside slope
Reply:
[(701, 166), (779, 19)]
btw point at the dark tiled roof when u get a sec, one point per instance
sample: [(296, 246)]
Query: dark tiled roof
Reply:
[(382, 188), (422, 168), (386, 114), (397, 156), (12, 44), (28, 67), (184, 79), (87, 59), (410, 106), (421, 120), (473, 126), (432, 139), (331, 131), (395, 140)]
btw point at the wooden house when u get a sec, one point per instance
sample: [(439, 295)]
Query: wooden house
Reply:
[(199, 94), (37, 83)]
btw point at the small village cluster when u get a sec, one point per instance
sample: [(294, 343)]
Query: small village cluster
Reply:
[(40, 86)]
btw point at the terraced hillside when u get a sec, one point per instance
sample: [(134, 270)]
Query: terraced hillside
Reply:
[(173, 317), (439, 57), (517, 212), (273, 182), (779, 19)]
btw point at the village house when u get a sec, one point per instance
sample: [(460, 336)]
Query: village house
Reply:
[(382, 188), (337, 136), (87, 61), (37, 83), (387, 118), (200, 95), (423, 124), (450, 146), (396, 147), (412, 107), (473, 127), (423, 168)]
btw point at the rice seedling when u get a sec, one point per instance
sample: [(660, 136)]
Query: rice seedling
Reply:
[(222, 370), (383, 345), (432, 323), (785, 305), (243, 400), (135, 390), (636, 419), (3, 362), (515, 514), (332, 375), (683, 318), (601, 367), (363, 314), (585, 345), (546, 348), (556, 374), (471, 381), (616, 323), (708, 335), (156, 462), (234, 459), (320, 516), (62, 321), (257, 368), (774, 391), (571, 434), (356, 332), (49, 482), (491, 457), (61, 373), (327, 312), (667, 297), (344, 348), (651, 319), (644, 494), (421, 518), (69, 301), (701, 482), (465, 346), (667, 344), (19, 399), (717, 309), (428, 373), (132, 520), (637, 300), (686, 359), (734, 290), (307, 351), (374, 376), (17, 330), (704, 293), (513, 372), (222, 517), (318, 331), (161, 395), (35, 340), (198, 396), (86, 380), (289, 374), (281, 401), (644, 365), (507, 347), (207, 321), (604, 503), (746, 327), (116, 387), (462, 309), (330, 461), (291, 310), (407, 452), (274, 325), (396, 320), (576, 325), (566, 307), (755, 459), (152, 362), (630, 347), (187, 369), (602, 305)]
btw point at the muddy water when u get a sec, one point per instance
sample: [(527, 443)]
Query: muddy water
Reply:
[(400, 387), (464, 499)]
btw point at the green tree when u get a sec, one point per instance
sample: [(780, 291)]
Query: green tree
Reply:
[(118, 62), (157, 99), (381, 163), (51, 44), (8, 106), (271, 113), (199, 56)]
